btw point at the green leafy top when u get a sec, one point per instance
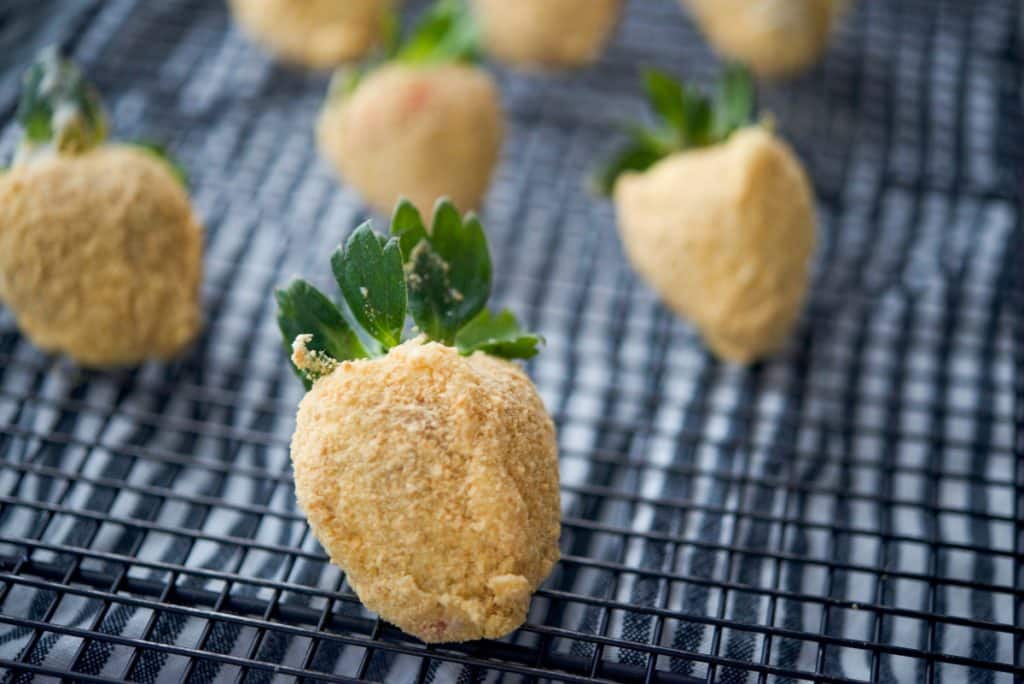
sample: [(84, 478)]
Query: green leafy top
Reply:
[(445, 33), (441, 276), (58, 107), (61, 112), (685, 119)]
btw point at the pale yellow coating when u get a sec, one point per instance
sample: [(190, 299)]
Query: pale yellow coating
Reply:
[(545, 34), (419, 132), (773, 37), (432, 479), (725, 235), (101, 256), (314, 33)]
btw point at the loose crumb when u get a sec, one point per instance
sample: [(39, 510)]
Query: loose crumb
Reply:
[(314, 364)]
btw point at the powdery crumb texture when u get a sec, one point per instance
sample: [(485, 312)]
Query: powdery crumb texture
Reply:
[(314, 33), (419, 132), (774, 37), (101, 256), (725, 235), (432, 480), (532, 33), (313, 363)]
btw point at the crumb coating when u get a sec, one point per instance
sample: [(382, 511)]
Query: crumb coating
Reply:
[(101, 256), (773, 37), (315, 33), (533, 33), (725, 235), (419, 132), (432, 479)]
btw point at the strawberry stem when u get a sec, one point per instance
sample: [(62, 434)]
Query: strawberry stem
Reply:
[(442, 277), (685, 119), (59, 110)]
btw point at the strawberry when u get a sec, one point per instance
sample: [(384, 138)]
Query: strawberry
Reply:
[(717, 215), (316, 33), (773, 37), (426, 463), (532, 33), (100, 251), (425, 123)]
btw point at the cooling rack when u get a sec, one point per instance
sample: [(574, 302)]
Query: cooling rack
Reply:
[(849, 511)]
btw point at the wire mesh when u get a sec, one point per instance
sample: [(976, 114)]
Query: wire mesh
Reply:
[(849, 511)]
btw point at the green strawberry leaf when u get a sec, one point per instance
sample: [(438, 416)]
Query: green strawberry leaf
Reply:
[(685, 119), (369, 272), (666, 97), (463, 245), (645, 148), (407, 226), (160, 152), (59, 107), (445, 33), (636, 157), (430, 293), (498, 335), (303, 309), (685, 113), (734, 101), (442, 277), (697, 120), (448, 274)]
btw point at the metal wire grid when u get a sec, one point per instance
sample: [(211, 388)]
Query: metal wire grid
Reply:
[(848, 512)]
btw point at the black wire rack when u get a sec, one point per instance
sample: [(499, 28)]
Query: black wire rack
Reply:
[(849, 511)]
